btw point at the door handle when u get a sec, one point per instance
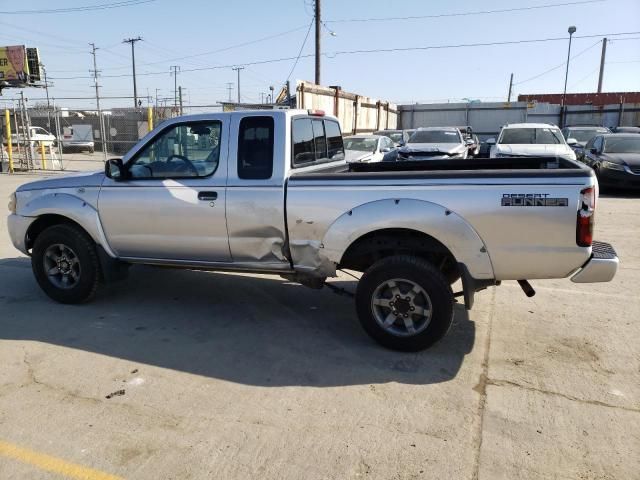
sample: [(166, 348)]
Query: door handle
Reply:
[(207, 196)]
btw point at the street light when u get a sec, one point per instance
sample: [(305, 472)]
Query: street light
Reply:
[(571, 31)]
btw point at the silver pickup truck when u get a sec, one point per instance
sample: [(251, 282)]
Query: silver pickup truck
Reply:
[(270, 192)]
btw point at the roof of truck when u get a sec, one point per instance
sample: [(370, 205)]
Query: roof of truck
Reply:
[(530, 125)]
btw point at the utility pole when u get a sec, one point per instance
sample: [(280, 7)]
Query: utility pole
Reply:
[(175, 69), (46, 87), (180, 98), (318, 32), (238, 70), (133, 41), (100, 119), (510, 87), (230, 88), (602, 57)]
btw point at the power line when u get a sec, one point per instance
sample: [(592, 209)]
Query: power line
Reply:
[(375, 50), (557, 66), (85, 8), (301, 48), (463, 14)]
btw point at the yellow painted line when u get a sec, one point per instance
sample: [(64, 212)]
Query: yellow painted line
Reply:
[(53, 464)]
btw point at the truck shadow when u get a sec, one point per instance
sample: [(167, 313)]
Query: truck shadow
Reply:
[(255, 330)]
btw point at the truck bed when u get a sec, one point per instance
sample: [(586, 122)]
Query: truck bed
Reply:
[(509, 167)]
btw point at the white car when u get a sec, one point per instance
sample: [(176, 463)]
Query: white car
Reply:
[(531, 140), (37, 135), (369, 148), (434, 143)]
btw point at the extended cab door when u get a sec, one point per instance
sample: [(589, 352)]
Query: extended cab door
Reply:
[(171, 205), (256, 190)]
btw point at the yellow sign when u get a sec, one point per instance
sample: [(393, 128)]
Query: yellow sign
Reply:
[(13, 64)]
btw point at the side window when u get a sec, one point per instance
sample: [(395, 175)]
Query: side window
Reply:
[(597, 143), (334, 140), (319, 139), (184, 150), (255, 148), (303, 149)]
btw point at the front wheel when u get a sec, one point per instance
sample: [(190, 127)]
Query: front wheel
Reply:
[(65, 263), (404, 303)]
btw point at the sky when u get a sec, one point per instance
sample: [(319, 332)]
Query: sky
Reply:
[(206, 38)]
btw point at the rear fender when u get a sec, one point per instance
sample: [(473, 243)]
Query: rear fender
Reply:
[(446, 226)]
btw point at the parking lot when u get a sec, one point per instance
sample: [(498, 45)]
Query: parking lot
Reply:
[(186, 374)]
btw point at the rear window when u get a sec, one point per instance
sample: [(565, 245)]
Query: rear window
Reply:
[(255, 148), (316, 141)]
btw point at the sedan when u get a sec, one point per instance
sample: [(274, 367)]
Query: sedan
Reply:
[(369, 148), (615, 158)]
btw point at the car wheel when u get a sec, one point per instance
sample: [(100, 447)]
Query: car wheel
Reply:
[(65, 263), (404, 303)]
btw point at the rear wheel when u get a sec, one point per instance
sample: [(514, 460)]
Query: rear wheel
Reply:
[(404, 303), (65, 263)]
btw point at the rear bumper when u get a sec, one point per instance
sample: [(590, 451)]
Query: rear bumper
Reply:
[(601, 267)]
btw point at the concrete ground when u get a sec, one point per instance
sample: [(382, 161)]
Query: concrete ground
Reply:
[(249, 376)]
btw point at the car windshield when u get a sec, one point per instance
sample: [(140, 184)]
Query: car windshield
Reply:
[(395, 136), (622, 145), (585, 134), (539, 136), (361, 144), (435, 136)]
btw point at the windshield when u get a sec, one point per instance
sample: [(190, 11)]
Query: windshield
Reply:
[(435, 136), (585, 134), (395, 136), (361, 144), (538, 136), (622, 145)]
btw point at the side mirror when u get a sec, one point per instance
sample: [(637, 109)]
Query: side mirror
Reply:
[(385, 150), (571, 141), (114, 169), (490, 141), (468, 141)]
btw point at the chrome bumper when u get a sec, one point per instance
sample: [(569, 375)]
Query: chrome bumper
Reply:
[(18, 226), (601, 267)]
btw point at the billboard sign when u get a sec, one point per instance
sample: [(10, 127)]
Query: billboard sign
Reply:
[(14, 68)]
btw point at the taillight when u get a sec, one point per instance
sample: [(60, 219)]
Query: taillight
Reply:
[(586, 211), (316, 113)]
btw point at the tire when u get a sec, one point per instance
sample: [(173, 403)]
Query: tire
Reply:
[(67, 251), (408, 274)]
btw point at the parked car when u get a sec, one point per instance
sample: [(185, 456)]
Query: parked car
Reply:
[(433, 143), (399, 137), (78, 138), (270, 192), (615, 158), (577, 136), (530, 140), (369, 148), (37, 135), (625, 129)]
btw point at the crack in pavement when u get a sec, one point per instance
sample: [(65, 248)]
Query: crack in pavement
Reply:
[(508, 383), (481, 388)]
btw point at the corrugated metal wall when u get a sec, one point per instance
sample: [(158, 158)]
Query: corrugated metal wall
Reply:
[(487, 118), (357, 113)]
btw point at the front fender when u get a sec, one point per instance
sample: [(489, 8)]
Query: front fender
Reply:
[(69, 206), (450, 229)]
